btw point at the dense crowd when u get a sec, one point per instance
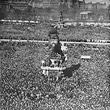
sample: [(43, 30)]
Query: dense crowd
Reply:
[(84, 86), (40, 32)]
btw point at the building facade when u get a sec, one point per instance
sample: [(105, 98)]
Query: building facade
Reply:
[(95, 6)]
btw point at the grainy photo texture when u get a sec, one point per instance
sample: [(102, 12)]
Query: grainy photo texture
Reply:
[(54, 55)]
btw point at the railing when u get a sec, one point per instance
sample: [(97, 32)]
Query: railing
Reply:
[(88, 41), (74, 23), (19, 21)]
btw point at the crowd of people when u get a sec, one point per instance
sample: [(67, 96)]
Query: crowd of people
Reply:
[(40, 32), (84, 86)]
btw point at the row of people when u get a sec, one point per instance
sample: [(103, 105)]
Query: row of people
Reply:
[(41, 31)]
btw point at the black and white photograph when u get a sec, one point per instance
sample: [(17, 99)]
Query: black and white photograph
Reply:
[(54, 54)]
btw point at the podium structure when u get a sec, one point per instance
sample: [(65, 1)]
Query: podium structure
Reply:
[(54, 63)]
